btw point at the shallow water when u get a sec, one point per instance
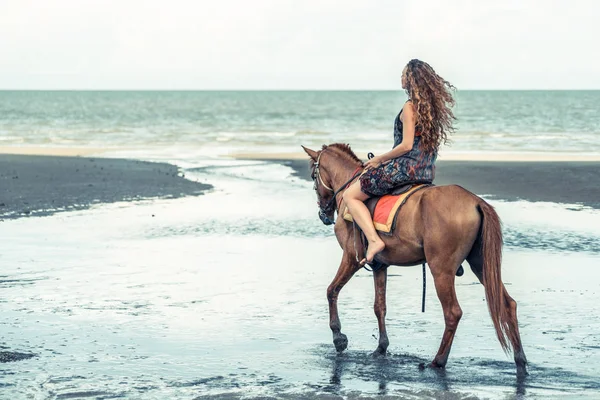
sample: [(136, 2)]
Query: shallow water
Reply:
[(223, 296)]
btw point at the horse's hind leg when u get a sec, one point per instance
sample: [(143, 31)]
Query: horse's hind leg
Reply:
[(514, 335), (380, 278), (444, 286), (347, 269), (476, 263)]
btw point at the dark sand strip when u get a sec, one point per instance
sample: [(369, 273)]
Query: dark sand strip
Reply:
[(559, 182), (44, 185), (11, 356)]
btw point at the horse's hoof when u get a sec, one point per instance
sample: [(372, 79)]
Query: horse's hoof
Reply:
[(435, 365), (379, 353), (340, 342)]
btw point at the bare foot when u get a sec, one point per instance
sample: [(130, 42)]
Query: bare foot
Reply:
[(375, 248)]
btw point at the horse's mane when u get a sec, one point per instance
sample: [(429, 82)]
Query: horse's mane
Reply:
[(341, 150), (344, 149)]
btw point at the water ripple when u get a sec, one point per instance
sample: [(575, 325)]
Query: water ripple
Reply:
[(519, 238)]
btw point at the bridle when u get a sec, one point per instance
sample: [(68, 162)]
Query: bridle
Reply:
[(324, 211), (317, 174)]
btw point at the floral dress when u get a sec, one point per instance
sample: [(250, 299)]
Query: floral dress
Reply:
[(416, 166)]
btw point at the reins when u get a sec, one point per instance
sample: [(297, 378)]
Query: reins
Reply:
[(355, 175), (357, 172)]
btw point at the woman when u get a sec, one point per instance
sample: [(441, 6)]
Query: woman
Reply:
[(420, 128)]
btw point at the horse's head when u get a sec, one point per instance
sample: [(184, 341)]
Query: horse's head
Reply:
[(322, 185)]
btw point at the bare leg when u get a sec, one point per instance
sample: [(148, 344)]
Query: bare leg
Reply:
[(354, 199), (347, 269), (380, 278), (444, 286)]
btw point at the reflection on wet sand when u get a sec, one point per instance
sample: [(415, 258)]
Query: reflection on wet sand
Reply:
[(404, 373)]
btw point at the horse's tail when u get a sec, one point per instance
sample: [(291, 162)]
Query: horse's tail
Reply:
[(490, 238)]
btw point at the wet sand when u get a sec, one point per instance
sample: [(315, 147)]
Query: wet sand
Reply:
[(146, 319), (210, 300), (572, 182), (43, 185)]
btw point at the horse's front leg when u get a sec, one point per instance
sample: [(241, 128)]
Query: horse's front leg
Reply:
[(380, 278), (347, 269)]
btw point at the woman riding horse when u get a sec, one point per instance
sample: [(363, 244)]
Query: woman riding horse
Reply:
[(421, 126), (441, 225)]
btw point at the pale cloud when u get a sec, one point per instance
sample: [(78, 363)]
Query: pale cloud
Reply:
[(285, 44)]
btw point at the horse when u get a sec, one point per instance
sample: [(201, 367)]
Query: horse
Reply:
[(440, 225)]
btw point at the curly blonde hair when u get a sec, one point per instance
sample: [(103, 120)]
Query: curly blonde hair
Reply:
[(432, 98)]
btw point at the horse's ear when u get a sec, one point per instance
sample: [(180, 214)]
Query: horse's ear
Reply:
[(311, 153)]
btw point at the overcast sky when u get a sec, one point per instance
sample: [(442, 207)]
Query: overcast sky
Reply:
[(297, 44)]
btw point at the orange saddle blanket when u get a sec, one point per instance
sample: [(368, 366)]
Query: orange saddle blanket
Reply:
[(384, 209)]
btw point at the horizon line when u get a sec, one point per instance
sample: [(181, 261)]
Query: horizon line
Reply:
[(286, 90)]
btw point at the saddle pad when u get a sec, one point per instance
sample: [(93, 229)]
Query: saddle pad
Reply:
[(386, 208)]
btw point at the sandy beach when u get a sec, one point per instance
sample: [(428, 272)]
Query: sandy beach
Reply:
[(218, 299), (42, 181), (571, 182), (447, 156), (46, 184)]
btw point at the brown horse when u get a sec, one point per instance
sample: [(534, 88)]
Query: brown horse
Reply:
[(440, 225)]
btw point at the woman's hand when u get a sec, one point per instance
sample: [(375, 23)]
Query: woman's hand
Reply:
[(374, 162)]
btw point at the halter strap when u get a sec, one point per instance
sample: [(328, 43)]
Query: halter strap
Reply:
[(355, 174), (318, 174)]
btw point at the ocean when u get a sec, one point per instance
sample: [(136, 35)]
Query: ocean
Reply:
[(227, 122), (223, 295)]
